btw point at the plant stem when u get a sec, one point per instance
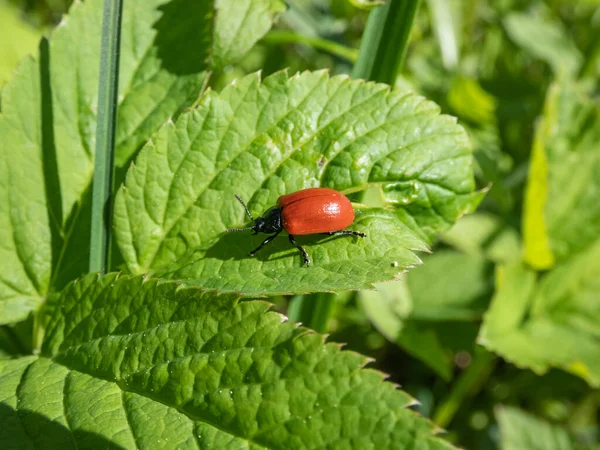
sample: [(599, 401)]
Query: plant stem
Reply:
[(468, 384), (105, 136), (285, 37), (385, 41), (313, 310)]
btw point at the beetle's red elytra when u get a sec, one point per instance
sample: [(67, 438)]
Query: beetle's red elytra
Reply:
[(309, 211), (315, 210)]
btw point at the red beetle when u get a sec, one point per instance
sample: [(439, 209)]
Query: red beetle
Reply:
[(309, 211)]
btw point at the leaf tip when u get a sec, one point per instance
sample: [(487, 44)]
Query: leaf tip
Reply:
[(322, 73), (368, 360), (283, 318), (413, 402)]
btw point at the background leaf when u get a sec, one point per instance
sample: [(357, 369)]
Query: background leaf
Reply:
[(18, 39), (263, 139), (47, 133), (562, 212), (484, 235), (551, 323), (239, 25), (154, 83), (519, 430), (545, 39), (145, 363), (25, 252), (389, 310), (450, 286), (428, 312)]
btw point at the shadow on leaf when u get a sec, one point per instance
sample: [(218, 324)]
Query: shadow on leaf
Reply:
[(239, 245), (184, 34), (27, 429)]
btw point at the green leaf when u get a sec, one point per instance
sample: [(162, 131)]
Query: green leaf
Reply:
[(239, 25), (155, 82), (25, 253), (450, 286), (545, 39), (562, 212), (519, 430), (18, 39), (471, 102), (144, 364), (263, 139), (47, 133), (485, 235), (492, 165), (551, 323), (389, 308), (431, 303)]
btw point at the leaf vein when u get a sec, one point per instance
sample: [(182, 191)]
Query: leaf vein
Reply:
[(128, 419)]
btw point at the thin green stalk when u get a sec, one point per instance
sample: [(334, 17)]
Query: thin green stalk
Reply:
[(313, 310), (468, 384), (286, 37), (385, 40), (105, 136)]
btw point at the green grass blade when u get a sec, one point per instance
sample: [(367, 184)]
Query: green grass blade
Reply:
[(443, 22), (385, 41), (105, 135), (312, 310)]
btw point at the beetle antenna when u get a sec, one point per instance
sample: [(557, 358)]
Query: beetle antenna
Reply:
[(239, 229), (245, 207)]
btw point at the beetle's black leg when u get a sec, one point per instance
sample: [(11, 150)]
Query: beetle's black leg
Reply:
[(347, 232), (304, 254), (266, 241)]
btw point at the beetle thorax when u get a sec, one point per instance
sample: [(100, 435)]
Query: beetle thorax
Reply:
[(270, 222)]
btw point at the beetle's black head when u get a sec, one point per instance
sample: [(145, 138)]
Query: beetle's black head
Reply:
[(269, 223)]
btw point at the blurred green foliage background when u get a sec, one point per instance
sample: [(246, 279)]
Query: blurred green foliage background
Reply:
[(523, 78)]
